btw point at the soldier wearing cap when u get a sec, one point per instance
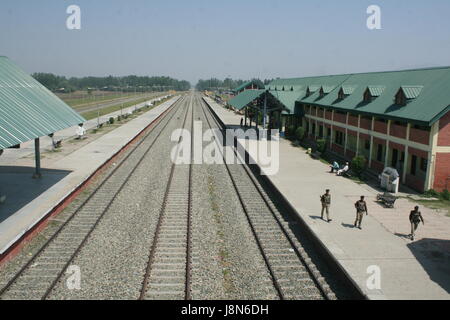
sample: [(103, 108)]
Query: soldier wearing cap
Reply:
[(414, 218), (325, 199)]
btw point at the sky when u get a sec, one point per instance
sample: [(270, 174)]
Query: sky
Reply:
[(241, 39)]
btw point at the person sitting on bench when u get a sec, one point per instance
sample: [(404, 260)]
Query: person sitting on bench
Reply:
[(334, 167), (343, 170), (56, 144)]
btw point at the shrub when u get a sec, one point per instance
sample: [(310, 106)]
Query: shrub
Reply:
[(111, 120), (445, 195), (300, 133), (321, 145), (358, 165), (431, 194), (290, 131), (119, 118)]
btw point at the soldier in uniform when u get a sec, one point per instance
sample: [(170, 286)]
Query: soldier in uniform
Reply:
[(414, 218), (361, 208), (325, 199)]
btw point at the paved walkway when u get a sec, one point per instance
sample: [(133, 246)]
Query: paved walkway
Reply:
[(61, 179), (417, 269)]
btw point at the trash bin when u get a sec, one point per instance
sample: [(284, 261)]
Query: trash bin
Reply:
[(390, 179)]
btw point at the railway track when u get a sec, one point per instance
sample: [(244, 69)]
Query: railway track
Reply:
[(168, 272), (292, 272), (37, 278)]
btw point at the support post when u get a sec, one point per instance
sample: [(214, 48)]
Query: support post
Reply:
[(265, 111), (37, 154), (245, 116)]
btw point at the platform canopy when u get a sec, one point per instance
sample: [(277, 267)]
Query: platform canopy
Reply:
[(287, 99), (254, 84), (28, 110), (244, 98)]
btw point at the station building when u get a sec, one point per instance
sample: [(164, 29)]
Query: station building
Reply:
[(250, 85), (397, 119)]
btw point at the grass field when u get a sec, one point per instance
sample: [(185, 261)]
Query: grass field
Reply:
[(436, 204), (93, 114), (83, 103)]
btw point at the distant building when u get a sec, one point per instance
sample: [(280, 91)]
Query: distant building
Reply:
[(250, 85)]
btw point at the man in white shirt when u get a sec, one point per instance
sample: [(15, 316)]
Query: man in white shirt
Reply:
[(343, 170), (80, 131)]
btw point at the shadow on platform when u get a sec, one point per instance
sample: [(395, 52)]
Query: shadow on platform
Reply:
[(20, 188), (434, 256)]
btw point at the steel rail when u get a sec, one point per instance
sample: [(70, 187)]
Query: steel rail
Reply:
[(282, 228), (154, 246), (71, 217)]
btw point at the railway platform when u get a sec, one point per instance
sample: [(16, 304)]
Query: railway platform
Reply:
[(30, 200), (27, 148), (381, 259)]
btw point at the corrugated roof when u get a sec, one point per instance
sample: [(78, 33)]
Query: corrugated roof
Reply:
[(327, 89), (348, 89), (376, 91), (313, 88), (244, 98), (432, 103), (412, 92), (242, 86), (27, 109), (286, 98)]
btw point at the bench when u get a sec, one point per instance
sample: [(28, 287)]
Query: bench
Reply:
[(348, 173), (387, 199), (315, 155)]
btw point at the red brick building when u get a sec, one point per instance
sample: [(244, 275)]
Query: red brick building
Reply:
[(399, 119)]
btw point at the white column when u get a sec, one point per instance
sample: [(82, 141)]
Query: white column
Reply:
[(429, 178)]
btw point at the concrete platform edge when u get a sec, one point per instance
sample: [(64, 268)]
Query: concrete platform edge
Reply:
[(331, 259), (17, 241)]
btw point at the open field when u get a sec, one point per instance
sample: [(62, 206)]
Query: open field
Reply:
[(91, 114)]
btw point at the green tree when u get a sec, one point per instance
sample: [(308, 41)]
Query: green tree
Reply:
[(358, 165), (300, 133)]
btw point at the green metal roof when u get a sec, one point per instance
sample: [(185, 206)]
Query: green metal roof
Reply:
[(376, 91), (328, 89), (429, 104), (412, 92), (348, 89), (286, 98), (27, 109), (242, 86), (244, 98), (313, 88)]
